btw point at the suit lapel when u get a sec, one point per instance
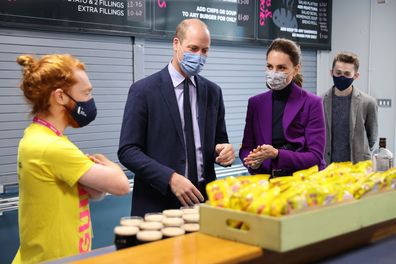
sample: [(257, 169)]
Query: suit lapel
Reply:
[(328, 106), (265, 117), (202, 93), (168, 93), (293, 105), (354, 108)]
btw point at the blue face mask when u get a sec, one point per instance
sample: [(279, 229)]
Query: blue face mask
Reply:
[(83, 112), (192, 63), (342, 82)]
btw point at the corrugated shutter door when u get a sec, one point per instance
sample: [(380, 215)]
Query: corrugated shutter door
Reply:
[(238, 70), (109, 65)]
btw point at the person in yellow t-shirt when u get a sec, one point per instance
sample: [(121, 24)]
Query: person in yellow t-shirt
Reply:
[(56, 179)]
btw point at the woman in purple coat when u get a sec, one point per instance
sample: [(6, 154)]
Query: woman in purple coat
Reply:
[(285, 129)]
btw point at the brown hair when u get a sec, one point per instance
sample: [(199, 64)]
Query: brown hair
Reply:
[(347, 57), (181, 29), (43, 76), (293, 50)]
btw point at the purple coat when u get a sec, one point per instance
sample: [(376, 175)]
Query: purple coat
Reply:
[(303, 125)]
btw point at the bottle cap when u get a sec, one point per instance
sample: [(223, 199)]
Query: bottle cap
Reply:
[(149, 235), (131, 220), (172, 231), (191, 227), (382, 142), (151, 225), (153, 217), (126, 230), (173, 213), (191, 218), (172, 221)]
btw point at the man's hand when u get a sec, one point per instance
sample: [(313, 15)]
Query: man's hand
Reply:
[(184, 190), (225, 154)]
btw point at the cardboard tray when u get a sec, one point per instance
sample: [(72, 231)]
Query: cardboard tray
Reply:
[(300, 229)]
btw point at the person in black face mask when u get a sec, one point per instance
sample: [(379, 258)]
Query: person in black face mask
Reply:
[(351, 115), (82, 113), (56, 178)]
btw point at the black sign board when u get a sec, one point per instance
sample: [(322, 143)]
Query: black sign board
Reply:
[(227, 20), (99, 15), (306, 22)]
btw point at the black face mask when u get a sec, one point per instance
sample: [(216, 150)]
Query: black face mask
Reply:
[(342, 82), (83, 112)]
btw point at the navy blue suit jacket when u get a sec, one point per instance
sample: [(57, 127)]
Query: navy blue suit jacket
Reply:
[(152, 142)]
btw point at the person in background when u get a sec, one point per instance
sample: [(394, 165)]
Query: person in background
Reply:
[(173, 130), (351, 115), (285, 130), (56, 179)]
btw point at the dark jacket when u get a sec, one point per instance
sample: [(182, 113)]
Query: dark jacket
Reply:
[(363, 130), (152, 142), (303, 126)]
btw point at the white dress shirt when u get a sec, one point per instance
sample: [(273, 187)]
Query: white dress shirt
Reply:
[(177, 80)]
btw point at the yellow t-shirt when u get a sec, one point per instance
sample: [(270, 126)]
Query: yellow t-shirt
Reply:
[(54, 216)]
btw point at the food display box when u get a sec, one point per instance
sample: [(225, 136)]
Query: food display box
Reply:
[(299, 229)]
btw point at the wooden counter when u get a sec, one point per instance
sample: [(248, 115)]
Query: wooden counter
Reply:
[(190, 248), (201, 248)]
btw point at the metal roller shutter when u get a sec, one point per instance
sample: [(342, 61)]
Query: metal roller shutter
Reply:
[(109, 64)]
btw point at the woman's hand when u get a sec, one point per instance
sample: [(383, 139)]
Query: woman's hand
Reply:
[(258, 155)]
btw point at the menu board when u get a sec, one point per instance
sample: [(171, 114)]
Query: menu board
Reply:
[(306, 22), (227, 20), (99, 15)]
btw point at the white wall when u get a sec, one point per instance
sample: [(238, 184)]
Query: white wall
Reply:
[(366, 28)]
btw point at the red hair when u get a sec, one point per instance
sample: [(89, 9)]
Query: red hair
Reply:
[(43, 76)]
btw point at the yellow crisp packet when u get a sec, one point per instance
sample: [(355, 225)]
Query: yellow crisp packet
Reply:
[(283, 183), (218, 193), (315, 195), (390, 179), (337, 165), (363, 167), (235, 224), (363, 186), (289, 201), (261, 203), (241, 196), (250, 179), (304, 174), (306, 188), (233, 184), (244, 197), (278, 207)]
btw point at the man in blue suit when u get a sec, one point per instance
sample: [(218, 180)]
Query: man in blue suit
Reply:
[(173, 129)]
